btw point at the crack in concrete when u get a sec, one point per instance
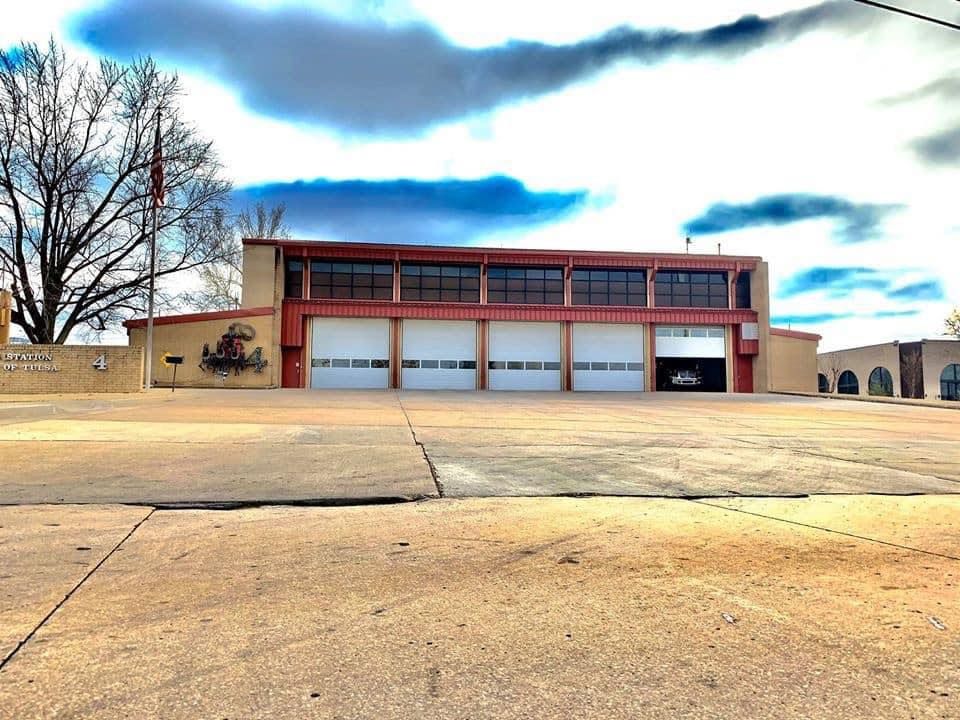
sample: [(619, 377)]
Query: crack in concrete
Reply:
[(826, 529), (49, 615), (423, 449)]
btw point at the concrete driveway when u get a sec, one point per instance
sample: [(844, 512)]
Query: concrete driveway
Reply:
[(840, 608), (224, 447)]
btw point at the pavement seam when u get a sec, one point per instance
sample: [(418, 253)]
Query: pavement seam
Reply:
[(423, 449), (826, 529), (49, 615)]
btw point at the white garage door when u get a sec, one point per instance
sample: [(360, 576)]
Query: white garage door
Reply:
[(350, 353), (607, 356), (697, 341), (439, 355), (524, 356)]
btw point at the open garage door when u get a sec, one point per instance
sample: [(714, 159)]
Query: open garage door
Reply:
[(350, 353), (691, 358), (607, 356), (439, 355), (524, 356)]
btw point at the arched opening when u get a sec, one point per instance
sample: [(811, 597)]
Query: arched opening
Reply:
[(823, 385), (848, 384), (950, 382), (880, 382)]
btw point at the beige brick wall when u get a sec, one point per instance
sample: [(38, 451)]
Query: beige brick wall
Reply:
[(793, 364), (760, 297), (188, 338), (861, 362), (259, 276), (937, 354), (33, 369)]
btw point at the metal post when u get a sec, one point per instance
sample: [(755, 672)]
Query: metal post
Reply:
[(148, 365), (174, 388)]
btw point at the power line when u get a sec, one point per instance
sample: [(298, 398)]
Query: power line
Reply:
[(909, 13)]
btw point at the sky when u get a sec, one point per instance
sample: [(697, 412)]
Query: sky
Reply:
[(824, 138)]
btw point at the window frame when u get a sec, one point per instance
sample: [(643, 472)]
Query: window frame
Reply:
[(444, 281), (593, 286), (516, 281), (840, 384), (679, 288), (362, 284), (880, 385), (289, 274)]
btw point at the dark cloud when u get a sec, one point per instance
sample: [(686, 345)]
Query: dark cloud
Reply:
[(411, 211), (838, 282), (856, 221), (941, 148), (295, 62)]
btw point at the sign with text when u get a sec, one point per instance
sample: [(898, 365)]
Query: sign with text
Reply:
[(44, 369)]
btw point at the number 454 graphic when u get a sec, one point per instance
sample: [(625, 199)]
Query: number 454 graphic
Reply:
[(101, 362)]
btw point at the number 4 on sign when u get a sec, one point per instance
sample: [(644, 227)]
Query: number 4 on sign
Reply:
[(101, 362)]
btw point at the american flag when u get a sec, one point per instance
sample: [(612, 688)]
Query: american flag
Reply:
[(156, 169)]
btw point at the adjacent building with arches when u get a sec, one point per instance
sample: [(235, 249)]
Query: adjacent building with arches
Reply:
[(924, 369)]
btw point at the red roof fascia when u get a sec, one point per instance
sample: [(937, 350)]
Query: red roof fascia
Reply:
[(796, 334), (200, 317), (294, 312), (433, 253)]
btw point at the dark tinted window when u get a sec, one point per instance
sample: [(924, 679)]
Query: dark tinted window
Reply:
[(848, 384), (440, 283), (950, 382), (351, 280), (538, 286), (743, 290), (609, 287), (674, 288), (293, 279), (880, 382)]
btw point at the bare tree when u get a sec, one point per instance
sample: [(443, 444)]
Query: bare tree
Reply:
[(952, 323), (221, 282), (911, 371), (75, 208), (832, 366)]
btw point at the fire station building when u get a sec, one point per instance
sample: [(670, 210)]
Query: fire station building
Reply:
[(378, 316)]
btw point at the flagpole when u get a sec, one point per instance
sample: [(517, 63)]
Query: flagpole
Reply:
[(156, 192), (148, 365)]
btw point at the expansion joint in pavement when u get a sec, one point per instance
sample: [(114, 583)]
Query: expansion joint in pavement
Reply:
[(826, 529), (49, 615), (423, 449)]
